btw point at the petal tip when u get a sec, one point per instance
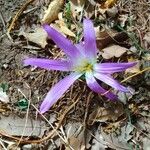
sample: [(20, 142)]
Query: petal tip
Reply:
[(43, 109), (26, 61), (133, 63)]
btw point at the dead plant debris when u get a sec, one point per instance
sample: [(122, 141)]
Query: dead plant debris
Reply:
[(81, 119)]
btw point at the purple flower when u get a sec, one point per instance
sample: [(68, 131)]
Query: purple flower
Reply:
[(81, 60)]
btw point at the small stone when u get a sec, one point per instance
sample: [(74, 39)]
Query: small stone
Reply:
[(5, 66)]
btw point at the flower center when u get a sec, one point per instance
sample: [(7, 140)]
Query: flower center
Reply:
[(84, 66)]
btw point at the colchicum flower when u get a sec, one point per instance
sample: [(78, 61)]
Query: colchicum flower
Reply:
[(81, 60)]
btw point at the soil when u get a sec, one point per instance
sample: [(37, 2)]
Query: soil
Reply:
[(79, 104)]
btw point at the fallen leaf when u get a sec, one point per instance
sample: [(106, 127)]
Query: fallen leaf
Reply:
[(98, 143), (119, 141), (57, 27), (109, 36), (147, 40), (147, 37), (112, 12), (102, 114), (113, 51), (146, 143), (66, 31), (135, 68), (52, 12), (63, 27), (39, 36), (15, 125), (108, 4), (75, 135), (3, 96), (77, 5)]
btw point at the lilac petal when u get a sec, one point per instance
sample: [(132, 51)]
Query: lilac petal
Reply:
[(112, 67), (62, 42), (89, 39), (57, 91), (81, 48), (94, 86), (48, 64), (110, 81)]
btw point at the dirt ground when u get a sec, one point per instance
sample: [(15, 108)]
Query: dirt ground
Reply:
[(81, 119)]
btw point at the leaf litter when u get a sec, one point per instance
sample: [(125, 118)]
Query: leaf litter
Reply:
[(106, 124)]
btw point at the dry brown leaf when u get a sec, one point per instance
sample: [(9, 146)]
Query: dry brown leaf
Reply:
[(113, 51), (39, 37), (147, 37), (14, 125), (76, 6), (101, 114), (112, 12), (52, 12), (135, 68), (75, 143), (118, 141), (109, 36), (66, 31), (63, 28), (105, 33), (108, 4), (57, 27), (75, 135)]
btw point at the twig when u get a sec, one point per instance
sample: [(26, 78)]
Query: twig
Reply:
[(141, 131), (18, 15), (140, 72), (2, 19), (3, 145), (4, 28), (23, 140), (146, 69), (26, 120), (85, 117)]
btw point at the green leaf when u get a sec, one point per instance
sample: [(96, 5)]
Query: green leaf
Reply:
[(4, 86), (23, 104)]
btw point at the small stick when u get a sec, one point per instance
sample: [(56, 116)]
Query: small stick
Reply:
[(140, 72), (18, 15), (50, 134)]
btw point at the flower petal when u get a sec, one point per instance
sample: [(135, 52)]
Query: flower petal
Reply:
[(62, 42), (89, 39), (94, 86), (110, 81), (112, 67), (48, 64), (57, 91), (81, 48)]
